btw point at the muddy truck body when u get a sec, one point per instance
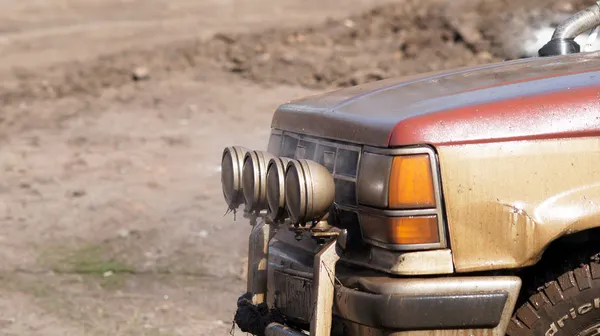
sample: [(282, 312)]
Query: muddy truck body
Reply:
[(463, 202)]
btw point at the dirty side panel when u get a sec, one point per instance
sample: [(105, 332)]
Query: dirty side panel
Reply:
[(506, 201)]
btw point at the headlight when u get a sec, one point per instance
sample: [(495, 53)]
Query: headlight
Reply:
[(254, 180), (232, 161), (309, 191), (400, 189), (276, 188)]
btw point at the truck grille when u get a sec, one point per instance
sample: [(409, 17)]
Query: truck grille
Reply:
[(340, 159)]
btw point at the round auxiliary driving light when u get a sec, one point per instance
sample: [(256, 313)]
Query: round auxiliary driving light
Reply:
[(309, 191), (254, 180), (276, 189), (231, 175)]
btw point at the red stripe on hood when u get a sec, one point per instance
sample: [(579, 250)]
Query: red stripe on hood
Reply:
[(562, 114)]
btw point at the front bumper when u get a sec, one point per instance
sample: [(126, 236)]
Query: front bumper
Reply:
[(426, 304), (309, 290)]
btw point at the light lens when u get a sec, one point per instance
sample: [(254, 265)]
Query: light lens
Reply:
[(294, 193), (411, 182), (248, 182), (402, 230), (227, 176), (276, 188)]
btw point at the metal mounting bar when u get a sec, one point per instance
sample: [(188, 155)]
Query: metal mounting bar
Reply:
[(323, 293), (258, 249)]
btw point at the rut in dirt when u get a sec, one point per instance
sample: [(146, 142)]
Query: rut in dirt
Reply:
[(393, 40)]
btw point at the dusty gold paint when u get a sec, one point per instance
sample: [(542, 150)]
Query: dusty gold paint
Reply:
[(506, 202)]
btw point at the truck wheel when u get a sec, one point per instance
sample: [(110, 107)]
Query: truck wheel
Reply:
[(567, 305)]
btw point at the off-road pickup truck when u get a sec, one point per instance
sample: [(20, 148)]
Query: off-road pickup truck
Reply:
[(463, 202)]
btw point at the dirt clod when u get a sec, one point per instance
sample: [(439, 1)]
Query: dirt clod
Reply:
[(140, 74), (76, 193)]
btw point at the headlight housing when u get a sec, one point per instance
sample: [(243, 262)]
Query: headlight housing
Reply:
[(400, 198), (309, 191), (254, 180), (232, 161)]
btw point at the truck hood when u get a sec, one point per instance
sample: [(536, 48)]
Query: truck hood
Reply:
[(532, 98)]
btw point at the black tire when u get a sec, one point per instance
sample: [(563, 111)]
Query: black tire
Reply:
[(567, 305)]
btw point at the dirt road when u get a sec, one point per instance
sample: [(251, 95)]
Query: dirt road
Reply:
[(111, 216), (110, 211)]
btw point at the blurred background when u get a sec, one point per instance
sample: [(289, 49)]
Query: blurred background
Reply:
[(114, 115)]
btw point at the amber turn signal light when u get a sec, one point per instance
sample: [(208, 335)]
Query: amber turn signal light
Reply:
[(411, 182), (402, 230), (414, 230)]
